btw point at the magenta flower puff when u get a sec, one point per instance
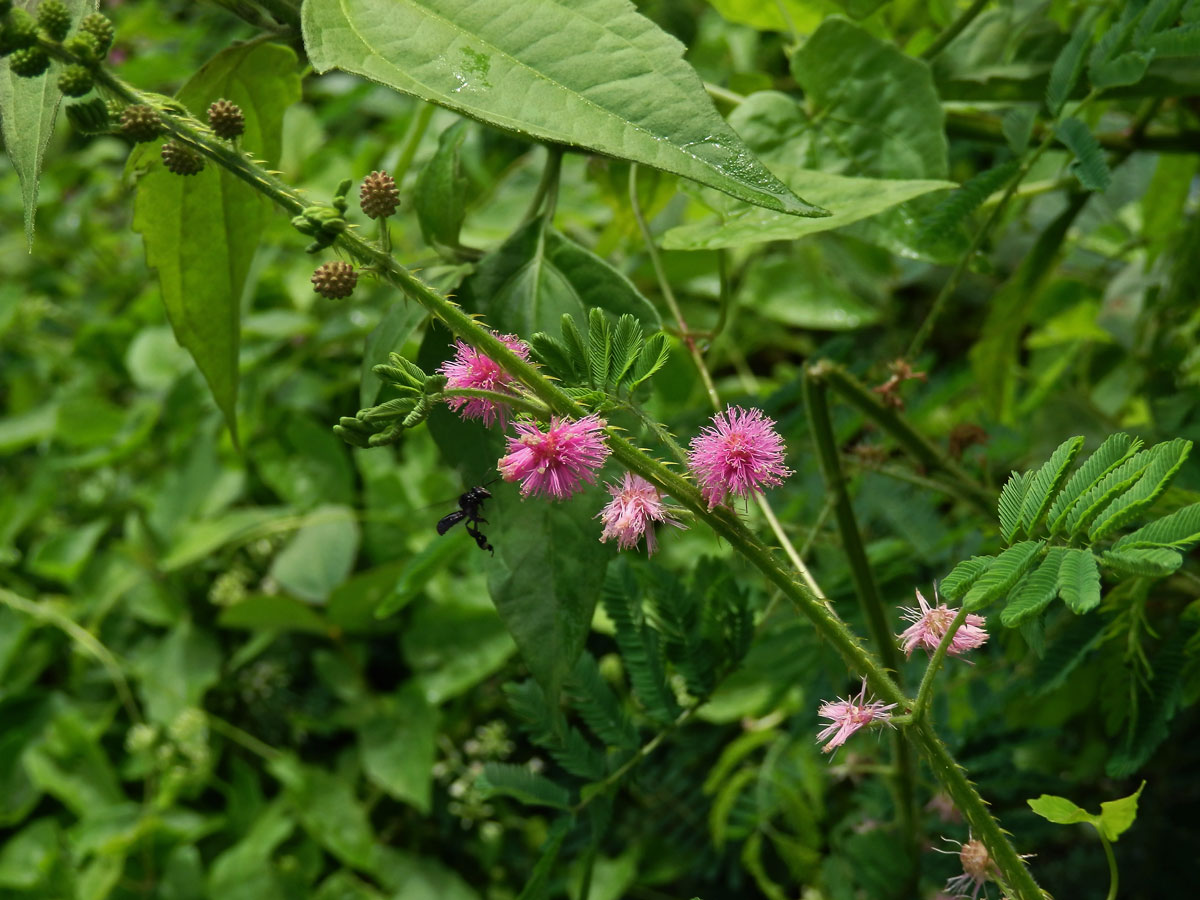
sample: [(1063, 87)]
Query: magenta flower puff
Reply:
[(555, 463), (471, 369), (636, 504), (740, 453), (847, 716), (929, 624)]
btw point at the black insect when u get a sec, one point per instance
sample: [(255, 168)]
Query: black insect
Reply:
[(470, 505)]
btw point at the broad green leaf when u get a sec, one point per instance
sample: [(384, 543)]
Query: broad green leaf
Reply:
[(398, 323), (454, 646), (441, 194), (1059, 810), (1089, 166), (28, 109), (547, 576), (397, 746), (243, 872), (1034, 592), (1004, 572), (1179, 531), (273, 611), (200, 539), (1115, 450), (1046, 482), (320, 555), (63, 555), (963, 575), (326, 806), (438, 554), (595, 75), (1117, 816), (799, 289), (1154, 562), (201, 232), (874, 109), (519, 782), (1079, 580), (784, 16), (177, 672), (538, 275), (1166, 459), (850, 199), (29, 857)]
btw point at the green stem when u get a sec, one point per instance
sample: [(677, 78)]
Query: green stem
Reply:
[(412, 140), (816, 400), (912, 441), (1112, 866), (723, 521), (954, 30), (925, 691), (243, 738), (547, 184)]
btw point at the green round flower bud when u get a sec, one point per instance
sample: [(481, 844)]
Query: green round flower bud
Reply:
[(90, 116), (18, 32), (54, 19), (182, 160), (83, 47), (226, 119), (29, 62), (335, 280), (100, 27), (140, 123), (75, 81)]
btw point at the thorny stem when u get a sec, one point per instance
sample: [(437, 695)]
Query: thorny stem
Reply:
[(925, 691), (723, 521), (954, 29), (816, 399)]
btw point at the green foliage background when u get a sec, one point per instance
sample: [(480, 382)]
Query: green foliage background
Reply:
[(197, 695)]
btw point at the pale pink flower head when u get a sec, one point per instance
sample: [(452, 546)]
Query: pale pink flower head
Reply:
[(740, 453), (555, 463), (929, 624), (847, 716), (635, 506), (471, 369)]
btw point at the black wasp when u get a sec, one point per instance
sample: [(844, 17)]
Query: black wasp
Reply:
[(470, 505)]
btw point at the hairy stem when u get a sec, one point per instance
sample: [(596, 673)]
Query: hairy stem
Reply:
[(925, 691)]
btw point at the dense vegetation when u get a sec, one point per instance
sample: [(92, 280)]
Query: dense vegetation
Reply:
[(944, 258)]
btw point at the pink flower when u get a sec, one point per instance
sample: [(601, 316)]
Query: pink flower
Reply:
[(471, 369), (929, 624), (635, 505), (847, 716), (556, 462), (740, 453)]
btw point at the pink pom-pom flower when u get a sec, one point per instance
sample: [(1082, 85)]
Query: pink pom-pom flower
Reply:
[(635, 506), (740, 453), (471, 369), (929, 625), (555, 462), (847, 716)]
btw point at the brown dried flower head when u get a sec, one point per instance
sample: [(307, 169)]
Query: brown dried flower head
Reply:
[(378, 195), (335, 280)]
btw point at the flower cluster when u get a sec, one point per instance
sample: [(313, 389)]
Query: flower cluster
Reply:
[(929, 625), (739, 453), (847, 716)]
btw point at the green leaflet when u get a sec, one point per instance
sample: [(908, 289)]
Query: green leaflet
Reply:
[(1154, 562), (524, 785), (538, 275), (1012, 502), (1035, 591), (1116, 482), (1090, 166), (546, 579), (1115, 450), (595, 75), (201, 231), (442, 190), (1002, 574), (963, 575), (1079, 580), (28, 108), (1045, 483), (1165, 462), (851, 199), (1178, 531), (1068, 66)]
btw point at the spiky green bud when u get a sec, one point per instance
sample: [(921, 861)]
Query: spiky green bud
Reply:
[(54, 18), (84, 47), (98, 26), (29, 62), (75, 81)]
